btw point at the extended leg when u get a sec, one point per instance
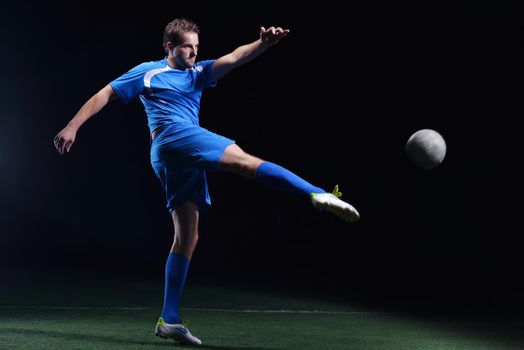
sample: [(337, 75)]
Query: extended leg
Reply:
[(275, 176)]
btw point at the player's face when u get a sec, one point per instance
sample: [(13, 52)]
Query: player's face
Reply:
[(186, 52)]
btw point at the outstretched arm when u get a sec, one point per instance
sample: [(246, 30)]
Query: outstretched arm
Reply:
[(65, 138), (246, 53)]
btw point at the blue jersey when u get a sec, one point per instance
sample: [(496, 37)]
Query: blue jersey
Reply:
[(169, 95), (182, 151)]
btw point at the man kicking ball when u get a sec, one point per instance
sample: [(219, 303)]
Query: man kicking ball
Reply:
[(181, 151)]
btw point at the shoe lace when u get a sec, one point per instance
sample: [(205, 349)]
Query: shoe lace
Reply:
[(336, 192)]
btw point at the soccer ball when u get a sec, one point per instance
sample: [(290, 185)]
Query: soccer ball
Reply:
[(426, 149)]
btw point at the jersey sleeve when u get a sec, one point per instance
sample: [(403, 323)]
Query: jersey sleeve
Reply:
[(131, 83), (206, 74)]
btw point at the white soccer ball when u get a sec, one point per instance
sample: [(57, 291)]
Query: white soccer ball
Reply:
[(426, 148)]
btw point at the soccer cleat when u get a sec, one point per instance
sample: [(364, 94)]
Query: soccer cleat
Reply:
[(178, 332), (330, 202)]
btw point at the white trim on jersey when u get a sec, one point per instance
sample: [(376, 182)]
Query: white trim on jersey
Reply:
[(150, 74)]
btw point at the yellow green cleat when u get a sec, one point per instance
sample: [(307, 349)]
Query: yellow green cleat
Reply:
[(331, 202), (178, 332)]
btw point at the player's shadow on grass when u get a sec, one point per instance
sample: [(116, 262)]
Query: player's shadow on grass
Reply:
[(90, 338)]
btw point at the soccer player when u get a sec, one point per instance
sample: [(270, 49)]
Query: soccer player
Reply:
[(181, 150)]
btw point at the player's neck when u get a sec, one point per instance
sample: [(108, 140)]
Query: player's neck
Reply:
[(171, 63)]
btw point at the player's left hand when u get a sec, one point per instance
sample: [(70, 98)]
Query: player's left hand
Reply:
[(272, 35)]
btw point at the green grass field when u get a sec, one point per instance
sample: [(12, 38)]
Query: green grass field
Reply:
[(86, 312)]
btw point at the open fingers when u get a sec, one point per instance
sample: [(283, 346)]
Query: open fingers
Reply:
[(60, 144), (281, 32), (57, 142), (277, 32)]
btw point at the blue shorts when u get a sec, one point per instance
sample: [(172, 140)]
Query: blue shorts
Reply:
[(180, 155)]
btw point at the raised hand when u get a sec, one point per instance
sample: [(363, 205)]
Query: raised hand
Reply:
[(272, 35)]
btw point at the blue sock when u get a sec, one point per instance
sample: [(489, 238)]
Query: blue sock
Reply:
[(277, 177), (176, 272)]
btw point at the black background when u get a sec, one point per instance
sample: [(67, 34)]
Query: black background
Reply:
[(335, 102)]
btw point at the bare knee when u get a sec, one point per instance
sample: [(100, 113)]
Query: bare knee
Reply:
[(236, 160), (186, 242)]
